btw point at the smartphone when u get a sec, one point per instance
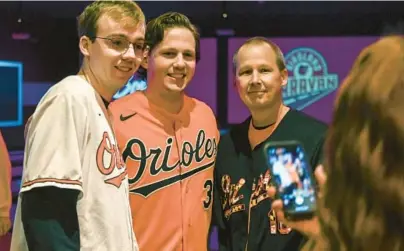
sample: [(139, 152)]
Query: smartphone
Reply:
[(293, 177)]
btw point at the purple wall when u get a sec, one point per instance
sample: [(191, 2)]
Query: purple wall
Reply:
[(203, 85)]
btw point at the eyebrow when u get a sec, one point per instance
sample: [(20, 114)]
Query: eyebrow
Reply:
[(176, 49), (259, 66), (244, 68), (139, 39), (117, 35)]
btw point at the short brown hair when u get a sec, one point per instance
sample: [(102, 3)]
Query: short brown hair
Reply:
[(156, 28), (364, 192), (87, 21), (280, 60)]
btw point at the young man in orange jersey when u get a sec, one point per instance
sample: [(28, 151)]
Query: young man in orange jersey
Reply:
[(168, 141)]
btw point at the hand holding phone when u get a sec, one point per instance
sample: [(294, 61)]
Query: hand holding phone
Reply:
[(308, 227), (293, 178)]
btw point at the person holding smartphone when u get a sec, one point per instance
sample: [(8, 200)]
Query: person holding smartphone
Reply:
[(242, 207), (361, 199)]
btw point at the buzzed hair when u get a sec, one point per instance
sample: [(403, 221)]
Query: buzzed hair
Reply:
[(280, 59)]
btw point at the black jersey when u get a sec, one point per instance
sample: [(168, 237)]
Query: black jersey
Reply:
[(242, 209)]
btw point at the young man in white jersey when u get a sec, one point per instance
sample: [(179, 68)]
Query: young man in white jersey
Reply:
[(74, 192)]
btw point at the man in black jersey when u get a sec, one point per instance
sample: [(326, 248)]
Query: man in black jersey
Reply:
[(242, 208)]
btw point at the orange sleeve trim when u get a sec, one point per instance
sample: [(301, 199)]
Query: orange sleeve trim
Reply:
[(59, 181)]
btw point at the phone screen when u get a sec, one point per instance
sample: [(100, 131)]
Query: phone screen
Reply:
[(293, 176)]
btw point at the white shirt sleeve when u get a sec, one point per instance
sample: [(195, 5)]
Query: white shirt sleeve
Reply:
[(55, 142)]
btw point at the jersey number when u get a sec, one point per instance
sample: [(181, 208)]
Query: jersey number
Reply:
[(208, 186), (276, 226)]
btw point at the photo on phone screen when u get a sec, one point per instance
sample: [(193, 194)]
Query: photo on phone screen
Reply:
[(292, 174)]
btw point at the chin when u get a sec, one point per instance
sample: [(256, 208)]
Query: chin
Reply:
[(257, 103), (175, 88)]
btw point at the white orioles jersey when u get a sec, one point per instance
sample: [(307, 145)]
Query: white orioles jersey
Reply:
[(70, 145)]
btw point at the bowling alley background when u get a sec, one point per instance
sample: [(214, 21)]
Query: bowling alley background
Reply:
[(320, 40)]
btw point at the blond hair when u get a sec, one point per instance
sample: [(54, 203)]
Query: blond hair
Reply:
[(280, 60), (118, 10)]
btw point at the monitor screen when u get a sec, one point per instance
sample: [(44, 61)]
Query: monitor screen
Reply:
[(11, 102), (136, 83)]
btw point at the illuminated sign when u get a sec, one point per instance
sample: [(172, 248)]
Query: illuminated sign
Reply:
[(134, 84), (309, 79), (11, 96)]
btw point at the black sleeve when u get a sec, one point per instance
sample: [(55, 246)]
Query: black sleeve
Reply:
[(217, 214), (49, 218)]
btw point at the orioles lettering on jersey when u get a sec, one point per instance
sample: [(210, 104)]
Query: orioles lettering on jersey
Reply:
[(259, 194), (231, 199), (276, 226), (203, 148), (259, 189), (107, 158)]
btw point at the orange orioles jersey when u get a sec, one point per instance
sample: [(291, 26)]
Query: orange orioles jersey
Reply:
[(170, 160)]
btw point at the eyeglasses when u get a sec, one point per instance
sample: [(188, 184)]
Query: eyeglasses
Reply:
[(121, 45)]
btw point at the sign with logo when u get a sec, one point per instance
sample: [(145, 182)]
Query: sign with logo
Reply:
[(316, 66), (309, 79)]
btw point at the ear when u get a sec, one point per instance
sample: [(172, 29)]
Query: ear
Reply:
[(84, 45), (145, 58), (284, 77), (235, 74), (235, 82)]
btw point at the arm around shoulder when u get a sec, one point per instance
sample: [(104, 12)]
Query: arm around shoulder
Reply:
[(218, 219)]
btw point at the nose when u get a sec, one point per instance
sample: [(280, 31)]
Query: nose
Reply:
[(255, 77), (180, 62), (129, 53)]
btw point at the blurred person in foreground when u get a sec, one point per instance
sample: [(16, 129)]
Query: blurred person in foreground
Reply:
[(362, 194)]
